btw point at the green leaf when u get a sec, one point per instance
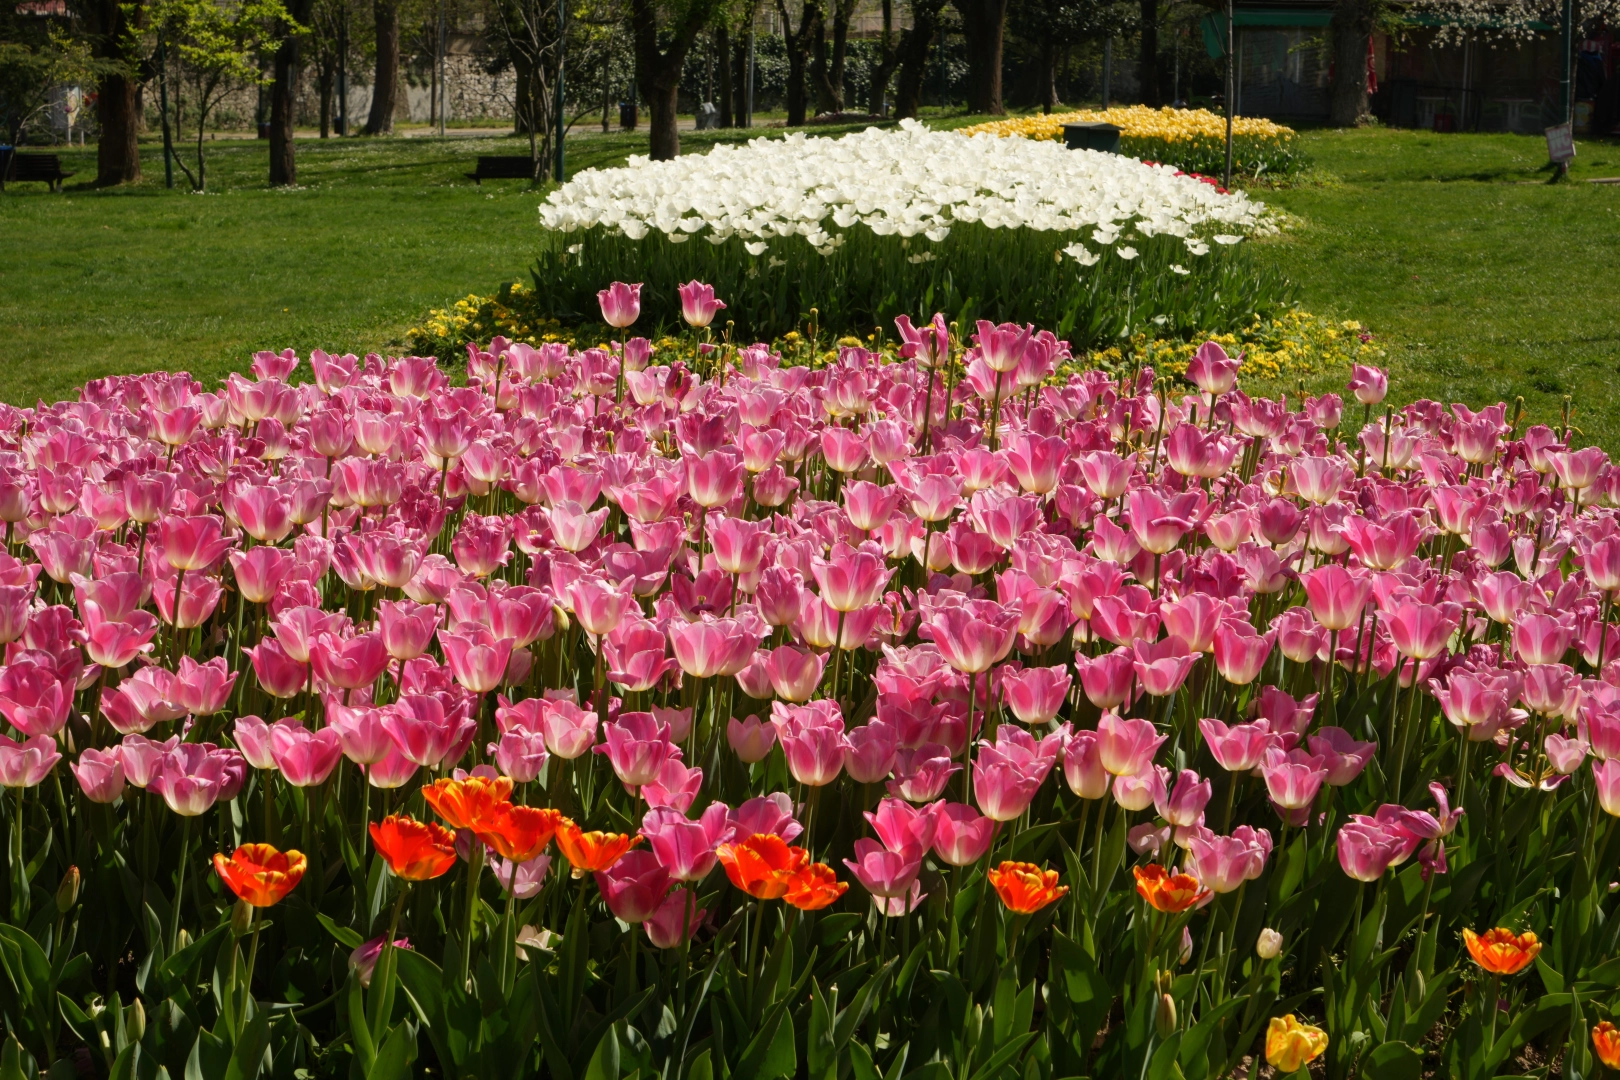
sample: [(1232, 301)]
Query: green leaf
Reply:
[(397, 1053), (1005, 1055), (1392, 1061), (820, 1054), (861, 1063), (702, 1068), (247, 1057), (346, 937)]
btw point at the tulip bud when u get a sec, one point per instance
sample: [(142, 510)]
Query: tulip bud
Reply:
[(241, 918), (67, 893), (560, 616), (1186, 946), (1269, 944), (1164, 1016), (182, 939), (135, 1021)]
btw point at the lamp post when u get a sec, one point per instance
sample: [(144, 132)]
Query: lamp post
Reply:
[(1230, 94), (562, 52)]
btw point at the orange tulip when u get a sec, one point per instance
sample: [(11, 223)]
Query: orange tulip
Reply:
[(1501, 951), (414, 850), (260, 874), (1606, 1041), (1168, 892), (1026, 888), (589, 852), (814, 887), (518, 833), (466, 804), (763, 866)]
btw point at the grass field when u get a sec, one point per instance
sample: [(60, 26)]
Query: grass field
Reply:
[(1483, 281)]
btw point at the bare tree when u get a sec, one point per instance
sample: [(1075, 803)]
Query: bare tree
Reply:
[(658, 72), (915, 44), (529, 32), (798, 50)]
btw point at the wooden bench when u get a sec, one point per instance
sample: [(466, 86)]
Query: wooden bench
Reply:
[(503, 167), (46, 168)]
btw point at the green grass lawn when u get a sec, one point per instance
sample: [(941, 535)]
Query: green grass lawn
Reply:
[(1483, 281)]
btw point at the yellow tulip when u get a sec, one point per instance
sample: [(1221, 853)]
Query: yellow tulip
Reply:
[(1290, 1045)]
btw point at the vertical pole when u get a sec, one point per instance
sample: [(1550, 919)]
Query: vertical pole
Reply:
[(1227, 181), (1566, 83), (343, 72), (562, 52), (1108, 70), (163, 103), (444, 89), (748, 96)]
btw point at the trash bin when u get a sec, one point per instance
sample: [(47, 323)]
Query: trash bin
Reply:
[(1104, 137), (627, 116)]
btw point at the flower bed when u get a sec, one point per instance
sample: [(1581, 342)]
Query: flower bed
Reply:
[(768, 720), (1190, 139), (865, 227)]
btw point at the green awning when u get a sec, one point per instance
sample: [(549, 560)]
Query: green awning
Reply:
[(1214, 26)]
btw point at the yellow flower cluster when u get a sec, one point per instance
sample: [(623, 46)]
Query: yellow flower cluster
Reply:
[(1294, 345), (1138, 122), (445, 331)]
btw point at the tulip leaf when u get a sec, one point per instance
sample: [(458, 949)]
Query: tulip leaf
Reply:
[(820, 1054), (247, 1056), (398, 1052), (702, 1067), (365, 1051), (1003, 1057), (861, 1063), (15, 1062), (836, 928), (346, 937), (1392, 1061)]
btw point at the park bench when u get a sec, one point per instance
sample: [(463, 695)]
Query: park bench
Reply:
[(46, 168), (502, 167)]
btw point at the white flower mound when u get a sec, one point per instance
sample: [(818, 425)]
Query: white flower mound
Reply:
[(911, 181)]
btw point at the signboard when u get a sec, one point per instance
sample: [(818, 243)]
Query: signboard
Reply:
[(1560, 144)]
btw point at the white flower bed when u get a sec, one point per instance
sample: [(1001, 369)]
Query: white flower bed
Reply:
[(908, 182)]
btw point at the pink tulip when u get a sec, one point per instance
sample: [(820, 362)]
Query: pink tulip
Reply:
[(482, 545), (306, 758), (676, 920), (686, 848), (1163, 666), (193, 543), (143, 757), (636, 746), (869, 752), (523, 880), (24, 764), (1239, 748), (252, 737), (394, 771), (1606, 780), (1293, 777), (1141, 790), (1343, 756), (1368, 384), (425, 733), (882, 872), (794, 672), (33, 698), (1563, 754), (100, 774), (961, 835), (1422, 630), (711, 646), (750, 739), (598, 605), (1366, 851), (202, 689), (198, 598), (813, 745), (1223, 863), (921, 773), (1211, 370), (621, 306), (634, 886), (1035, 695), (477, 658), (698, 305), (1183, 805), (1125, 747), (569, 730), (406, 627), (851, 579), (1107, 679), (974, 636), (765, 814), (1337, 596), (278, 674), (1240, 652), (192, 777), (1542, 638), (1082, 766), (675, 787), (348, 664)]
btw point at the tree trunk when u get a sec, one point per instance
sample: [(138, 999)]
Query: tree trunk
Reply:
[(722, 86), (323, 84), (1148, 70), (118, 155), (658, 74), (888, 58), (385, 86), (1351, 30), (915, 44), (984, 24), (283, 162), (1049, 94), (818, 71), (798, 46)]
